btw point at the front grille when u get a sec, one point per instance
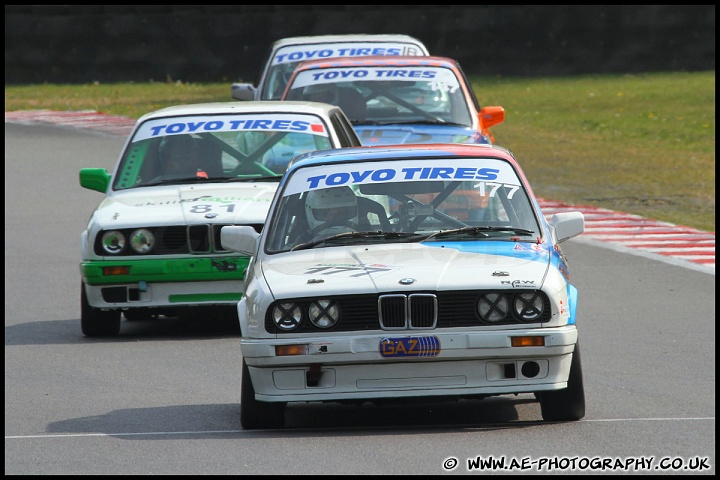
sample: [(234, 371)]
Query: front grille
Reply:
[(407, 312), (399, 311), (176, 240)]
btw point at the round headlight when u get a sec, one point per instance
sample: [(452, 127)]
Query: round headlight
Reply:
[(113, 242), (493, 307), (287, 316), (529, 306), (324, 313), (142, 240)]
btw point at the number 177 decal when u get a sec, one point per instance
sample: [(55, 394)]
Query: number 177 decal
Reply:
[(491, 188)]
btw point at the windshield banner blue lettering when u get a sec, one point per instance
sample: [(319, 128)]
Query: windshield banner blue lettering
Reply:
[(259, 122), (442, 170), (409, 74), (299, 53)]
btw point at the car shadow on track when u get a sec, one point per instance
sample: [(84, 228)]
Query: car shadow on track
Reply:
[(303, 419), (67, 332)]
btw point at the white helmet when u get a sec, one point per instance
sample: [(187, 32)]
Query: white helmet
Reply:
[(336, 206)]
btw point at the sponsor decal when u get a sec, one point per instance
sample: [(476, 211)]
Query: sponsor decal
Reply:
[(410, 347), (227, 205), (224, 266), (535, 247), (563, 270), (439, 79), (496, 174), (348, 270), (299, 53), (519, 283), (231, 123)]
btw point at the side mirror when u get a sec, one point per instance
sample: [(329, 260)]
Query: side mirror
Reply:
[(241, 239), (490, 116), (242, 91), (567, 225), (97, 179)]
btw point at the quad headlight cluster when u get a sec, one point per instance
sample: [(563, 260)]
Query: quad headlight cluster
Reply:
[(322, 313), (496, 307), (140, 241)]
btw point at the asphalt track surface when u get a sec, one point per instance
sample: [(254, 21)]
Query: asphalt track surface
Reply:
[(622, 231)]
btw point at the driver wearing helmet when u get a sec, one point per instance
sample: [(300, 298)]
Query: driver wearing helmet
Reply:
[(331, 211), (179, 157), (321, 92)]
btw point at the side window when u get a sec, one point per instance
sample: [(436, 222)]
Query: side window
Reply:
[(138, 165), (347, 134), (464, 79)]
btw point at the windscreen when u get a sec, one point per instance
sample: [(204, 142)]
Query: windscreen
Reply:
[(285, 59), (387, 95), (479, 198), (197, 148)]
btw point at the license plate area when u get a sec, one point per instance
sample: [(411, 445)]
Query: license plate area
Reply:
[(417, 346)]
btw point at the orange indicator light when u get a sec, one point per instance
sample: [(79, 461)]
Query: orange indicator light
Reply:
[(528, 341), (286, 350), (116, 271)]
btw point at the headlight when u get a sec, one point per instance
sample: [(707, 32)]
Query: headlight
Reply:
[(493, 307), (324, 313), (113, 242), (142, 240), (287, 316), (529, 306)]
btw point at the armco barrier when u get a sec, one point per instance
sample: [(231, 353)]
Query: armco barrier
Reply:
[(213, 43)]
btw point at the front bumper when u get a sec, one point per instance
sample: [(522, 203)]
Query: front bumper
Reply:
[(163, 270), (164, 282), (466, 364), (134, 295)]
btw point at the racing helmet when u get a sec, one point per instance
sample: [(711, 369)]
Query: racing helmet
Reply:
[(321, 92), (331, 206), (178, 151)]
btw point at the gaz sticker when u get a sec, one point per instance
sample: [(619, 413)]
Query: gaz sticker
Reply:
[(410, 347)]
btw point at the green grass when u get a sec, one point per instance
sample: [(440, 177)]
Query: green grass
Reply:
[(641, 144)]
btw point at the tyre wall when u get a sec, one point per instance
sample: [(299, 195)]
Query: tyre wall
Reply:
[(81, 44)]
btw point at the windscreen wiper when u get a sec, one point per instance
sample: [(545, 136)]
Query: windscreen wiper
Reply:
[(478, 231), (276, 178), (175, 181)]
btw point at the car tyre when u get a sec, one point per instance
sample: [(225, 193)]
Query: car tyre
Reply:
[(567, 404), (95, 322), (255, 414)]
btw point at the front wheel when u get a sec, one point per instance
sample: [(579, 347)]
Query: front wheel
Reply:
[(567, 404), (255, 414), (95, 322)]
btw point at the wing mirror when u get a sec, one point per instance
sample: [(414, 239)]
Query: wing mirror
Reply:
[(242, 91), (490, 116), (241, 239), (97, 179), (567, 225)]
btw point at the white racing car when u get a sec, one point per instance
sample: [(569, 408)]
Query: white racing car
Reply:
[(286, 53), (152, 246), (407, 271)]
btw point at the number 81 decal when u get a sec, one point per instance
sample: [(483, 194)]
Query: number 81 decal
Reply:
[(229, 208)]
